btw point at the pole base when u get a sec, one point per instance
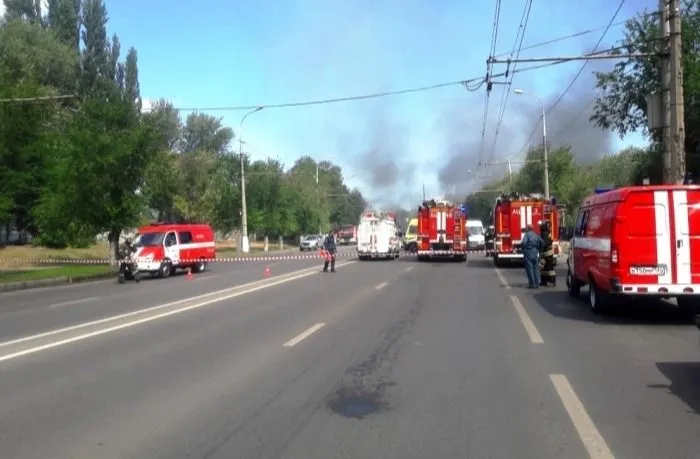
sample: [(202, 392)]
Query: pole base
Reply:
[(245, 244)]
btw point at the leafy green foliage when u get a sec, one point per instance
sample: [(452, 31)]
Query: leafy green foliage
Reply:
[(569, 182), (73, 167), (622, 108)]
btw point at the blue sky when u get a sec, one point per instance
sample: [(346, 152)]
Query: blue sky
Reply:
[(213, 53)]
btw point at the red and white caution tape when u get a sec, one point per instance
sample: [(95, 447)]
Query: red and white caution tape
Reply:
[(322, 255)]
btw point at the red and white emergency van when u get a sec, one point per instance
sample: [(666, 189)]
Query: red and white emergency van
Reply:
[(164, 247), (442, 231), (638, 241), (511, 215)]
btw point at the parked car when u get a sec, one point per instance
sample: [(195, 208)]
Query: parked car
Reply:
[(310, 242)]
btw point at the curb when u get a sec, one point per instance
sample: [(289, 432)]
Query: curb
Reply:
[(52, 282), (67, 280)]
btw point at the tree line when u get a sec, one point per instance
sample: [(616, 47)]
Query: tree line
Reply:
[(79, 156), (621, 108)]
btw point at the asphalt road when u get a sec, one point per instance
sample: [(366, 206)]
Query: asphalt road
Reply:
[(381, 359)]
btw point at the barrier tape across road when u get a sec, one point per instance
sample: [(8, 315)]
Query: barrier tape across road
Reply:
[(113, 261)]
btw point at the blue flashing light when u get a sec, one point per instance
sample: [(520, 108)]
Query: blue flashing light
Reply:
[(464, 208), (554, 201), (601, 190)]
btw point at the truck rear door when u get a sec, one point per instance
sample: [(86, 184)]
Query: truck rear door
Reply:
[(663, 237)]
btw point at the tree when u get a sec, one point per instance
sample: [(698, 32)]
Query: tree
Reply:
[(622, 106), (32, 64)]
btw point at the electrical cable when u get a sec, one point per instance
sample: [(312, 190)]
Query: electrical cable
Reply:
[(489, 71), (578, 74), (576, 34), (506, 91)]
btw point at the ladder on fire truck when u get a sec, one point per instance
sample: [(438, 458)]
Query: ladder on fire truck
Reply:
[(457, 242)]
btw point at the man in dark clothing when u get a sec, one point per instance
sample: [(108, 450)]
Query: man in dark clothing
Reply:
[(547, 273), (329, 247), (532, 245)]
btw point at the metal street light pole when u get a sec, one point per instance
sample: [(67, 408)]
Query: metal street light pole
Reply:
[(245, 243), (544, 139)]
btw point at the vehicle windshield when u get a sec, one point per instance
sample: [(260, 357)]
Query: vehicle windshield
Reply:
[(476, 230), (310, 238), (413, 229), (148, 239)]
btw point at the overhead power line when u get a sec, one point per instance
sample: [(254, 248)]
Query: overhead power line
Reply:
[(575, 35), (517, 44), (471, 84), (466, 83), (20, 100), (578, 74), (489, 72)]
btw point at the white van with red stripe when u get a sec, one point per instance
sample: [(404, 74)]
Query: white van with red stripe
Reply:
[(638, 241)]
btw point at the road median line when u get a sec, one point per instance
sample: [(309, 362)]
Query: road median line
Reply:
[(148, 315)]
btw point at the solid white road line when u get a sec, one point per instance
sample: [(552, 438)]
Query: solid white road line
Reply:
[(102, 331), (382, 285), (150, 309), (502, 278), (409, 268), (530, 328), (591, 438), (305, 334), (68, 303)]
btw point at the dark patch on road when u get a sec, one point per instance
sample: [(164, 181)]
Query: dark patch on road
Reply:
[(357, 403), (364, 390)]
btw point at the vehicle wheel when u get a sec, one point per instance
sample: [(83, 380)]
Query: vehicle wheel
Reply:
[(201, 267), (572, 284), (137, 277), (166, 269), (596, 298)]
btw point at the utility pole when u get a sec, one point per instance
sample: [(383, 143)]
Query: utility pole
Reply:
[(677, 109), (667, 171), (318, 202), (545, 157), (244, 246)]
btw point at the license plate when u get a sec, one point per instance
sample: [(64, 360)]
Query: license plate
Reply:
[(658, 270)]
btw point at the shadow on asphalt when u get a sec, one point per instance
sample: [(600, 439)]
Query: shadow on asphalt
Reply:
[(625, 312), (685, 380)]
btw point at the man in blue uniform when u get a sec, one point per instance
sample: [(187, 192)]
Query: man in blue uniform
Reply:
[(329, 247), (532, 245)]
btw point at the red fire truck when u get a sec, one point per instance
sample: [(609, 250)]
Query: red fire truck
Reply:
[(511, 215), (347, 235), (441, 231)]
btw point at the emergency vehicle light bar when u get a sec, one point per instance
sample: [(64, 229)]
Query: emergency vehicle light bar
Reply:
[(601, 190)]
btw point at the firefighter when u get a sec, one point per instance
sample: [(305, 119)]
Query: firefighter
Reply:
[(330, 248), (547, 273), (532, 245)]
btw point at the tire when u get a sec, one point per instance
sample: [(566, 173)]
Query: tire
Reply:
[(165, 270), (137, 277), (572, 284), (200, 267), (597, 299)]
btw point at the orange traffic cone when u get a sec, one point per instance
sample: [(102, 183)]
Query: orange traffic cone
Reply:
[(267, 271), (189, 273)]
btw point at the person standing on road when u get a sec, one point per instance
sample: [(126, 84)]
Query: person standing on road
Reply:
[(532, 245), (330, 248), (547, 273)]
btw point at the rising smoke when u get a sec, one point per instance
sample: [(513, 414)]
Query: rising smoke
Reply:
[(567, 124)]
